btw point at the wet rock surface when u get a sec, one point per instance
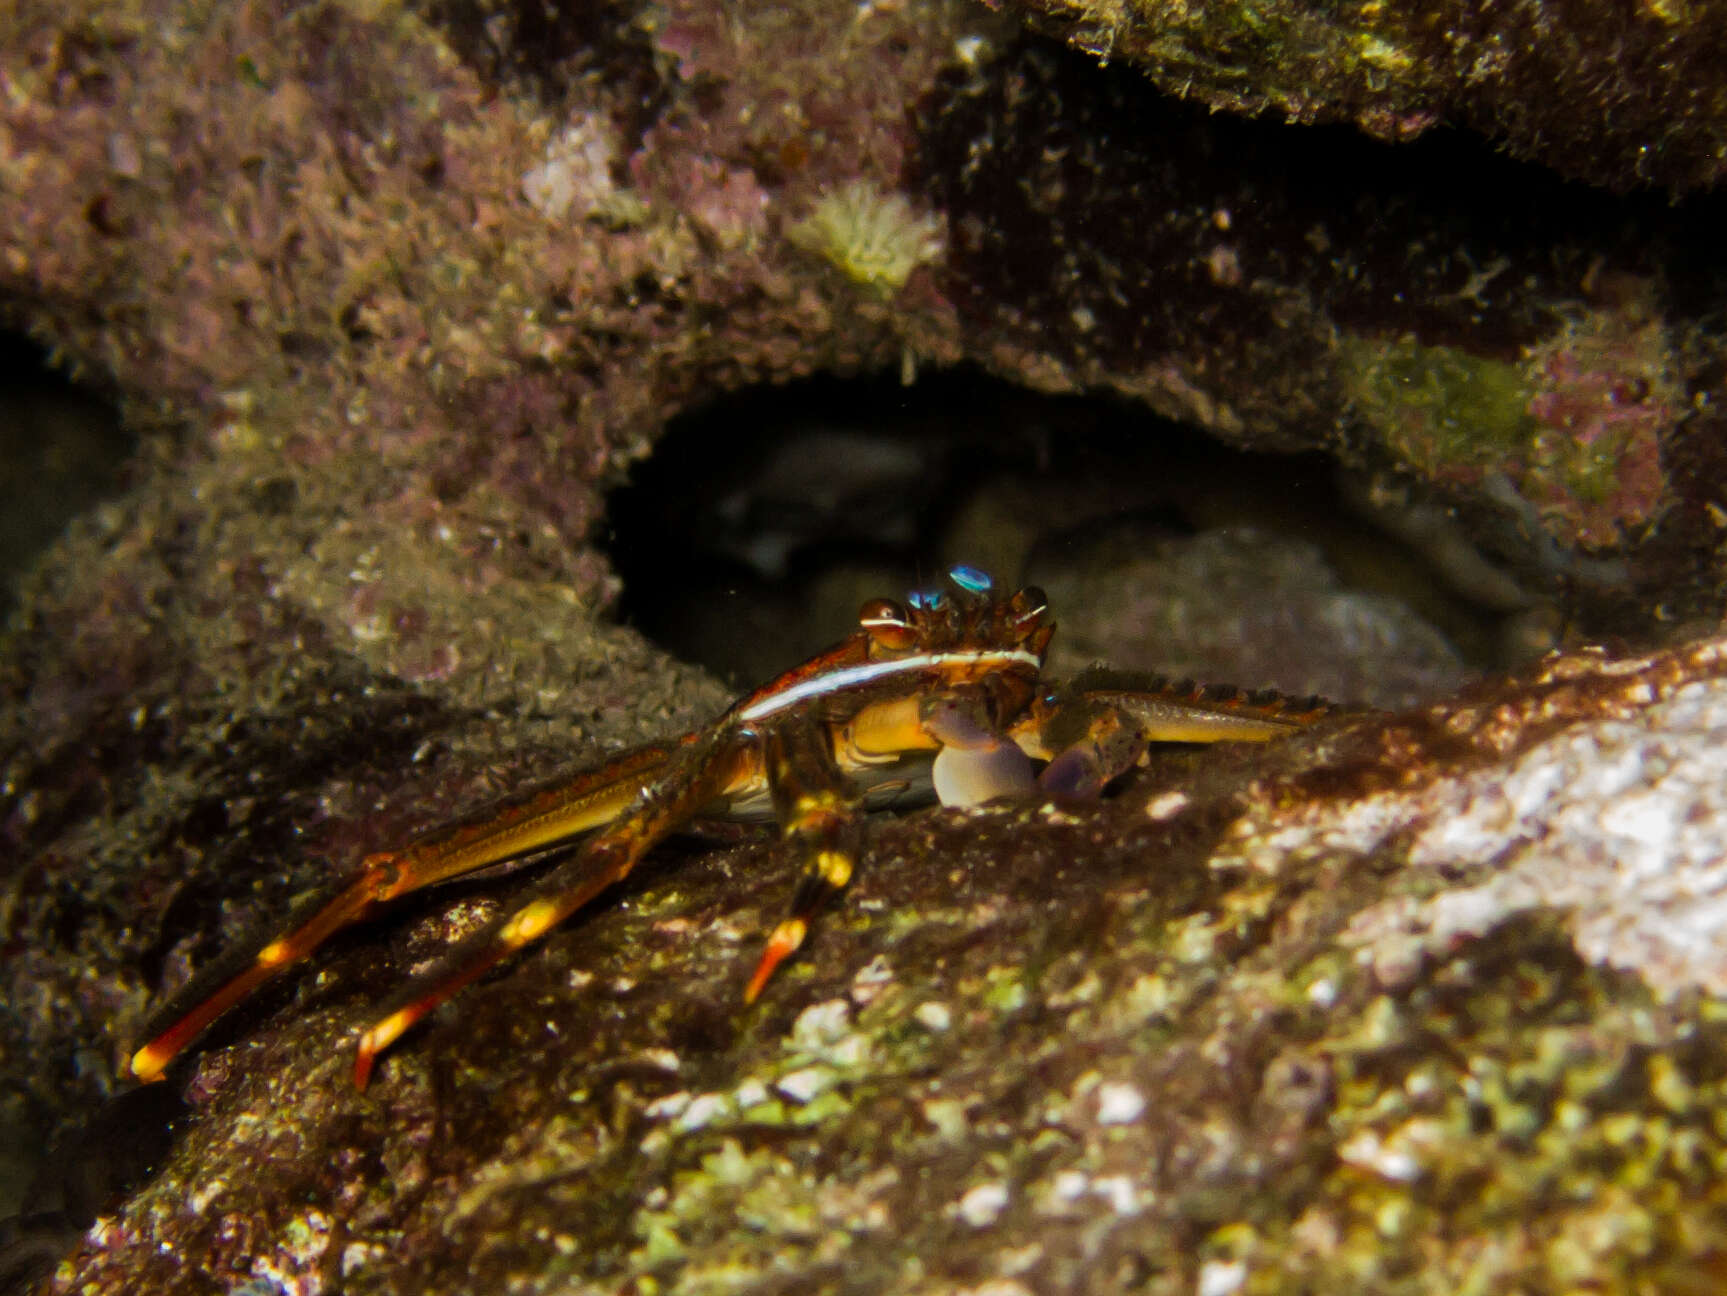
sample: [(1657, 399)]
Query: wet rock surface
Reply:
[(1331, 1008), (393, 296)]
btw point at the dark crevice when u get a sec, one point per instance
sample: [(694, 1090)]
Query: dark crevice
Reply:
[(63, 449), (1076, 188), (557, 48), (750, 536)]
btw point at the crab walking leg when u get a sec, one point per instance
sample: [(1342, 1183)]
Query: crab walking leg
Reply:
[(692, 779), (563, 811), (381, 880), (1096, 728), (817, 809)]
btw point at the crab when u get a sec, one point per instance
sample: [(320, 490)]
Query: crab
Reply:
[(941, 694)]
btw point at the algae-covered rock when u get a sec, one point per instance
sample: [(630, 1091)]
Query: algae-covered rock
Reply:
[(1413, 1003), (428, 302), (392, 295), (1619, 95)]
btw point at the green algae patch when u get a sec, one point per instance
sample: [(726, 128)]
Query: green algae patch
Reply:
[(1568, 437), (1439, 408), (1516, 1120)]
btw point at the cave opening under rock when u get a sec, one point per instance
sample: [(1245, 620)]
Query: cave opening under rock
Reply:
[(761, 521), (63, 448)]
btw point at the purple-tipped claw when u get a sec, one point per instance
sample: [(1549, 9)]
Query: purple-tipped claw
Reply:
[(1072, 776)]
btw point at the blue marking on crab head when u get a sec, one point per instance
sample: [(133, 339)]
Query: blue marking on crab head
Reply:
[(970, 579), (926, 600)]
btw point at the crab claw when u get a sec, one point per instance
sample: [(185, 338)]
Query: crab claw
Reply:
[(975, 764), (970, 776)]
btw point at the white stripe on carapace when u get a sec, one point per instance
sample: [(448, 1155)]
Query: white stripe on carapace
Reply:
[(840, 680)]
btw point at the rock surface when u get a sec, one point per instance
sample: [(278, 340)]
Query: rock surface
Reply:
[(394, 294), (1618, 95), (1426, 1000)]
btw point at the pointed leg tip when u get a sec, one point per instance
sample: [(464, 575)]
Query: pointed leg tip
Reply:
[(148, 1064), (759, 979), (371, 1044), (363, 1067), (384, 1033), (784, 941)]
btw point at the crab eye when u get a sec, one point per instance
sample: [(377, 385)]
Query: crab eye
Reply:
[(970, 579), (1028, 607), (888, 623)]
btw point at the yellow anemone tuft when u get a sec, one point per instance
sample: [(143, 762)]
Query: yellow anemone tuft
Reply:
[(875, 239)]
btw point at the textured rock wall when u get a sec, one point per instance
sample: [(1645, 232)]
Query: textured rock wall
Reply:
[(392, 295)]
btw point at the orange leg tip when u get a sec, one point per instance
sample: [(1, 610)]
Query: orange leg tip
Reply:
[(149, 1062), (379, 1037), (372, 1043), (784, 941), (363, 1066)]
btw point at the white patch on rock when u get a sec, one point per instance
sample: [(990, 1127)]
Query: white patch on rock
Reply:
[(576, 177), (1119, 1104), (1221, 1278), (983, 1204), (1617, 824)]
